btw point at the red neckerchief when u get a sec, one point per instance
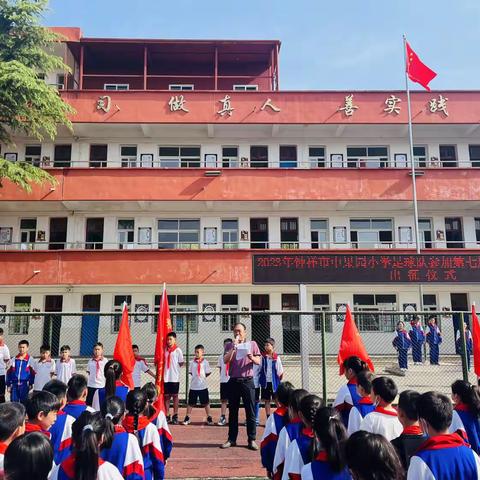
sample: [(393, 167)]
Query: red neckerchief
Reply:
[(352, 381), (365, 401), (118, 429), (295, 420), (281, 411), (307, 432), (227, 368), (199, 365), (97, 366), (461, 407), (48, 360), (127, 423), (3, 448), (438, 442), (65, 361), (170, 350), (2, 343), (119, 383), (61, 412), (26, 357), (31, 427), (385, 412), (76, 402), (413, 430), (321, 456), (68, 465), (274, 355)]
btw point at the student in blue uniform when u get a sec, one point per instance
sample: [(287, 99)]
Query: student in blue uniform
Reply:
[(466, 412), (364, 405), (20, 375), (77, 392), (417, 337), (270, 374), (468, 344), (113, 385), (402, 343), (434, 339)]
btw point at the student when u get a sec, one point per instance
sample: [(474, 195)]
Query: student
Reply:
[(173, 362), (365, 405), (371, 456), (41, 408), (417, 337), (434, 339), (328, 459), (77, 392), (12, 425), (270, 374), (299, 452), (444, 455), (89, 435), (384, 419), (113, 385), (139, 424), (140, 366), (65, 366), (224, 378), (290, 432), (466, 412), (20, 375), (156, 415), (95, 371), (199, 369), (124, 452), (29, 457), (4, 360), (274, 425), (412, 436), (468, 344), (256, 384), (347, 396), (402, 343), (44, 368)]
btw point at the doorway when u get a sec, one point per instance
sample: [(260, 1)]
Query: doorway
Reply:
[(260, 321), (94, 234), (291, 323), (454, 232), (90, 323), (259, 232), (58, 233), (459, 303), (52, 324)]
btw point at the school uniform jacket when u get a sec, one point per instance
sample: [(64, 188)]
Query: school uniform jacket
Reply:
[(121, 390), (61, 437), (125, 454), (444, 457), (319, 469), (268, 444), (346, 398), (20, 371), (384, 422), (433, 335), (288, 433), (402, 340), (464, 420), (408, 443), (416, 333), (277, 371), (3, 448), (159, 420), (76, 407), (298, 455), (357, 414), (66, 470)]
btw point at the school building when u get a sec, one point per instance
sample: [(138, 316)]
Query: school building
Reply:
[(188, 165)]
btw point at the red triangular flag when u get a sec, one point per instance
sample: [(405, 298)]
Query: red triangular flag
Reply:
[(476, 342), (123, 349), (417, 71), (351, 344)]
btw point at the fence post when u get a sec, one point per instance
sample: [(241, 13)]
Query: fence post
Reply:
[(324, 359), (304, 340), (463, 347), (187, 358)]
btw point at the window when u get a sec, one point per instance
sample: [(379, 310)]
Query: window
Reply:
[(367, 157), (33, 154), (259, 232), (229, 304), (474, 151), (62, 156), (230, 233), (18, 324), (126, 234), (321, 303), (288, 156), (375, 322), (316, 157), (229, 157), (448, 155), (245, 88), (259, 156), (454, 232), (319, 233), (118, 307), (180, 87), (371, 233), (477, 229), (116, 86), (28, 233), (179, 233), (98, 155), (128, 154), (60, 81), (180, 305), (94, 233), (425, 232), (175, 157), (430, 302), (420, 156), (289, 233)]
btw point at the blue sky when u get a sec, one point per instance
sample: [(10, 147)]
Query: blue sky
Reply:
[(334, 45)]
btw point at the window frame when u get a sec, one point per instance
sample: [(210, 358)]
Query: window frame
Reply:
[(183, 87), (116, 85), (245, 88), (316, 158), (227, 160), (179, 158), (312, 231), (389, 321), (377, 244), (384, 161), (33, 159), (118, 310), (178, 245), (128, 161), (322, 307), (228, 319), (20, 324), (128, 244), (229, 231), (176, 311)]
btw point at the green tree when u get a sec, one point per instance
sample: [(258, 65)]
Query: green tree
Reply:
[(27, 104)]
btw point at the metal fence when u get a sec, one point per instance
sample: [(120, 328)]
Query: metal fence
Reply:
[(307, 342)]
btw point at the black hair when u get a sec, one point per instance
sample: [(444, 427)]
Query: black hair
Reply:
[(45, 348), (365, 379), (356, 364), (436, 409), (76, 387), (135, 404), (199, 346), (1, 331), (151, 393), (57, 388), (240, 323), (113, 371), (135, 346), (330, 435), (65, 347), (113, 410), (41, 402), (98, 344), (227, 340), (469, 394), (24, 342), (283, 393), (385, 388), (87, 433), (12, 416), (407, 402), (171, 334), (295, 399), (371, 456), (308, 408), (29, 456)]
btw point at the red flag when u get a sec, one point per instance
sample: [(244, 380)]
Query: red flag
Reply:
[(351, 344), (123, 349), (417, 71), (164, 326), (476, 342)]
